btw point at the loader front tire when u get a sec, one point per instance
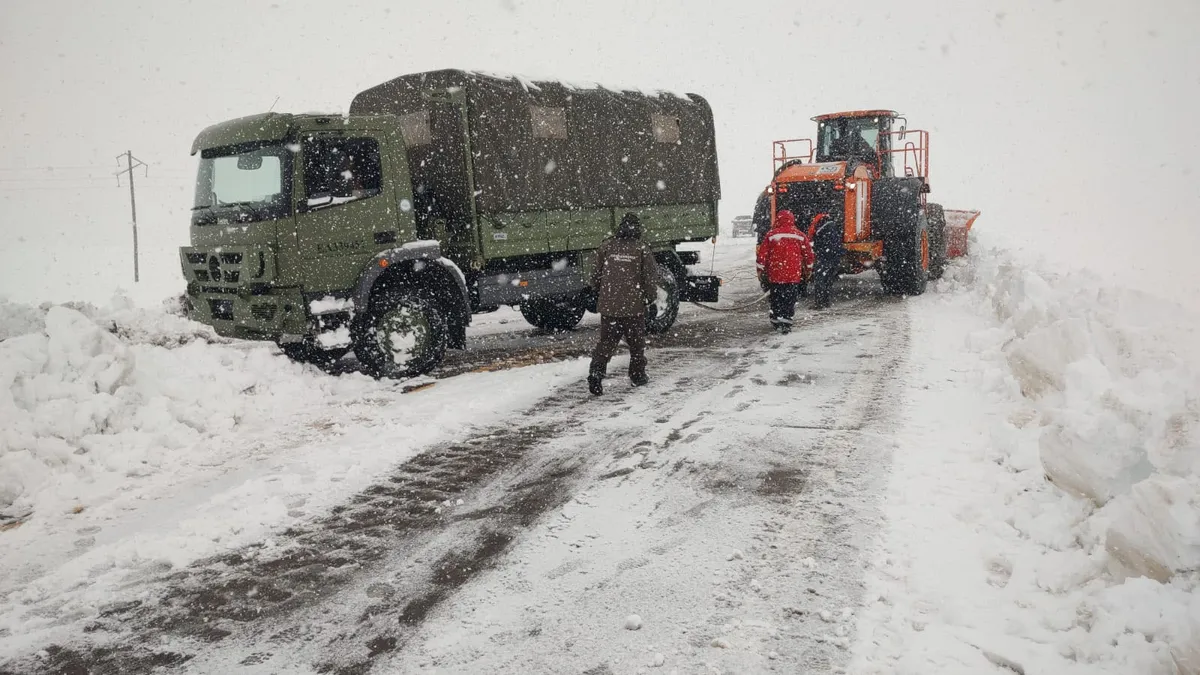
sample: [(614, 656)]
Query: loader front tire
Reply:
[(908, 254)]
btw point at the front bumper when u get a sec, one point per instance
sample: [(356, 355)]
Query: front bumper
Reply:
[(231, 289), (263, 316)]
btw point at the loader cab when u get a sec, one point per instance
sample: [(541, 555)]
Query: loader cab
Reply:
[(861, 138)]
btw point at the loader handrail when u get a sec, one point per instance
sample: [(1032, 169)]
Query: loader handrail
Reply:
[(779, 152), (916, 154)]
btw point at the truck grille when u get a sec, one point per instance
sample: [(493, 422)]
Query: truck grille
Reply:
[(221, 309), (263, 312), (225, 267)]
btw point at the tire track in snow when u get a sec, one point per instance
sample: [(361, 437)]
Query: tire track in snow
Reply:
[(818, 501)]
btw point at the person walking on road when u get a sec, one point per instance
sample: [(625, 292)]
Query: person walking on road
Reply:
[(625, 282), (829, 247), (784, 258)]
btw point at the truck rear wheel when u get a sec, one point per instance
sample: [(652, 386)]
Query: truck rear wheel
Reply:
[(937, 240), (402, 335), (906, 270), (555, 316), (661, 314)]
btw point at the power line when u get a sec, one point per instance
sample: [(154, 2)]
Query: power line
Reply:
[(129, 167), (78, 179), (51, 168)]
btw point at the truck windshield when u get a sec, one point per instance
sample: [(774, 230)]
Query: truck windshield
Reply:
[(243, 183)]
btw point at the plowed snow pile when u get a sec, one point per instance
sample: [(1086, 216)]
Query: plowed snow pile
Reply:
[(93, 399), (1050, 521)]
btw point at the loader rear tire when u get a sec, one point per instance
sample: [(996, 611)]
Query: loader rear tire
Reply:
[(937, 240)]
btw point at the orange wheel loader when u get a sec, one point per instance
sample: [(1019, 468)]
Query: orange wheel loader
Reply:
[(868, 171)]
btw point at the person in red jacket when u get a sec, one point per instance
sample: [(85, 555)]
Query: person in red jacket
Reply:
[(784, 260)]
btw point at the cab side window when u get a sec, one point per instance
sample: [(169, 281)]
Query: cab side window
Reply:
[(339, 170)]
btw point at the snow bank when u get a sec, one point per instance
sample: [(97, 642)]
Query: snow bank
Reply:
[(1109, 373), (1107, 397), (90, 398)]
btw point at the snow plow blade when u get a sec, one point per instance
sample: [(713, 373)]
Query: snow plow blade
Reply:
[(958, 225)]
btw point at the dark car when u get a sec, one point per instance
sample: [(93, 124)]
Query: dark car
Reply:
[(743, 226)]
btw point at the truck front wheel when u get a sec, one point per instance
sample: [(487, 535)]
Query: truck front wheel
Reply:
[(661, 314), (402, 335)]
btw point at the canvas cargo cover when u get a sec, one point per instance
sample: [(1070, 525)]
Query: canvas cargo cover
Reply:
[(547, 145)]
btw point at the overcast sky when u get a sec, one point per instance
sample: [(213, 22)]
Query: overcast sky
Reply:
[(1069, 123)]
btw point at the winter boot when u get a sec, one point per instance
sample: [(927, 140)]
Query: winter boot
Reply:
[(595, 381), (639, 379)]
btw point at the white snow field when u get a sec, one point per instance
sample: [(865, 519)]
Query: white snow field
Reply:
[(998, 476)]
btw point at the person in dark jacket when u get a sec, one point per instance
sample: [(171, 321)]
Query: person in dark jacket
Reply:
[(784, 258), (829, 247), (625, 282)]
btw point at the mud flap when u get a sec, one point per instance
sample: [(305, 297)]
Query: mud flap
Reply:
[(700, 289)]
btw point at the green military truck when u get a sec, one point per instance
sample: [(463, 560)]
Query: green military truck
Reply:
[(440, 195)]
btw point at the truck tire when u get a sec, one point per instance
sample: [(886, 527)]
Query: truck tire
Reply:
[(402, 335), (307, 352), (937, 240), (906, 270), (554, 316), (661, 314)]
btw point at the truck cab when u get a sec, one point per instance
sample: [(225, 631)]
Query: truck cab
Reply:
[(290, 217)]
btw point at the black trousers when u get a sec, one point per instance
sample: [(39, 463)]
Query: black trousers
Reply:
[(612, 329), (783, 303), (823, 278)]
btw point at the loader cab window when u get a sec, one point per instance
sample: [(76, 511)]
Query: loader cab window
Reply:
[(340, 170), (849, 139)]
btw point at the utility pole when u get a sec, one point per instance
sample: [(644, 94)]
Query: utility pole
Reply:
[(129, 167)]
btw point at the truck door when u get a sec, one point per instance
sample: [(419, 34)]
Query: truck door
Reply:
[(345, 210)]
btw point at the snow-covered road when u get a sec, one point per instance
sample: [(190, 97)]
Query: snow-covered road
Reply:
[(865, 495), (726, 504)]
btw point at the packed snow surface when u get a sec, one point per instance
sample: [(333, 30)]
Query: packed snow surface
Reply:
[(1041, 512)]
